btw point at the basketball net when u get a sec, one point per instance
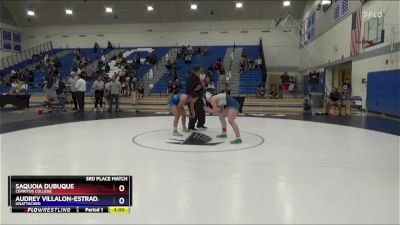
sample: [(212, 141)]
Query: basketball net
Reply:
[(287, 22)]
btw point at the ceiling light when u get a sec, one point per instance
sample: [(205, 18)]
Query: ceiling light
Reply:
[(68, 11), (239, 5), (286, 3), (193, 7), (30, 13), (150, 8), (326, 2), (109, 10)]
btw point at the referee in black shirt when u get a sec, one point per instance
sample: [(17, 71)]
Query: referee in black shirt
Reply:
[(195, 89)]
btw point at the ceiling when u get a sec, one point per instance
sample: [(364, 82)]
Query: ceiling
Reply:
[(124, 11)]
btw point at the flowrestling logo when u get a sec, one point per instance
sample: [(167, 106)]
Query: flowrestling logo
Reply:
[(194, 139), (373, 14)]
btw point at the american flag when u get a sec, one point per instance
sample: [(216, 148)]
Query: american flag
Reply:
[(356, 32)]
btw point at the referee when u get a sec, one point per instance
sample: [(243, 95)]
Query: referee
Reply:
[(195, 89)]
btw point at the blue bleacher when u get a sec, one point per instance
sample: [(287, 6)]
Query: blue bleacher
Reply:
[(249, 80), (182, 70), (27, 62)]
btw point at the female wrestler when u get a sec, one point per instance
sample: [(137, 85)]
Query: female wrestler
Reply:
[(226, 106), (176, 102)]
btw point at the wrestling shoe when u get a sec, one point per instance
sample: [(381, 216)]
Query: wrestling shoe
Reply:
[(202, 128), (177, 134), (223, 135), (184, 129), (237, 141)]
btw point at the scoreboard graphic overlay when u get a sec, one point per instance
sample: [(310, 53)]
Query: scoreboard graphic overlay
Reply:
[(70, 194)]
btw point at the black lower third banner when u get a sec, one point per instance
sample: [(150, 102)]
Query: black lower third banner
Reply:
[(61, 209)]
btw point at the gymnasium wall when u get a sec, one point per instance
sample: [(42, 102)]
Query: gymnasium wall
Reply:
[(361, 68), (281, 48), (383, 92), (333, 47), (334, 44), (11, 28)]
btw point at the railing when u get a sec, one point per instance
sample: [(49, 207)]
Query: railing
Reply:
[(14, 59), (264, 68)]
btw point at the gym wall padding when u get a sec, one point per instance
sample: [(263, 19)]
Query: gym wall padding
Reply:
[(383, 92)]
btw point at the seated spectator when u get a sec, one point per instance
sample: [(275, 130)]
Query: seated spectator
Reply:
[(18, 87), (273, 93), (109, 45), (198, 52), (107, 68), (218, 65), (335, 99), (261, 91), (206, 51), (307, 105), (188, 58), (168, 65), (252, 64), (259, 63)]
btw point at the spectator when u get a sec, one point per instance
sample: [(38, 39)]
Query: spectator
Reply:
[(242, 64), (72, 82), (307, 105), (198, 52), (346, 94), (96, 46), (206, 51), (219, 65), (188, 58), (109, 45), (168, 65), (50, 89), (273, 93), (210, 87), (61, 85), (285, 83), (81, 90), (98, 89), (334, 100), (261, 91), (18, 87), (140, 90), (115, 90)]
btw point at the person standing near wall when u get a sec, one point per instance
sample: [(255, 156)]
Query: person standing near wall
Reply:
[(72, 82), (98, 88), (81, 90), (115, 90), (346, 94)]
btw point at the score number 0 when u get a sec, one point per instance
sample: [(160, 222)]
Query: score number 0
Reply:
[(121, 200)]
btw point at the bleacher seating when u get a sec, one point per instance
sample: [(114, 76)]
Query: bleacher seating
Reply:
[(27, 62), (182, 69), (249, 80)]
